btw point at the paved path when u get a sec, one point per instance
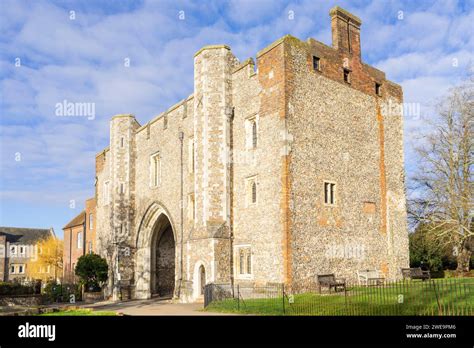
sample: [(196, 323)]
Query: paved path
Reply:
[(152, 307)]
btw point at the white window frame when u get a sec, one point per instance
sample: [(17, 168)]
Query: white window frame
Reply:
[(22, 271), (238, 275), (79, 240), (12, 269), (13, 250), (155, 169), (328, 184), (22, 250)]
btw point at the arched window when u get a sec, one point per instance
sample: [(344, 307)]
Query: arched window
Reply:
[(202, 279), (254, 134), (254, 192)]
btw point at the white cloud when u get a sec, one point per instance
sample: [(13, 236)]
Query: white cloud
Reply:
[(83, 61)]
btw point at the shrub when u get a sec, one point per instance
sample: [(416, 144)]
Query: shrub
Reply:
[(92, 271), (61, 292), (11, 289)]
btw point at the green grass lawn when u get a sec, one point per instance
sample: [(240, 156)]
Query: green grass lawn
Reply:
[(453, 297), (79, 312)]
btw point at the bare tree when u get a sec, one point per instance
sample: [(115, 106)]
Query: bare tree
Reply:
[(443, 183)]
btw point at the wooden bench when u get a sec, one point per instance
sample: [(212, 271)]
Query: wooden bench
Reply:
[(415, 273), (331, 282), (370, 277)]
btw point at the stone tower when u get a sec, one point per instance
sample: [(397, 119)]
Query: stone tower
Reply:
[(122, 185), (213, 66)]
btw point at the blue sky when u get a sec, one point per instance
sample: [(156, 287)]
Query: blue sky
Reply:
[(426, 46)]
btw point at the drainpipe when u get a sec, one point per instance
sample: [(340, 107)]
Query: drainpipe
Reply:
[(85, 231), (231, 191), (181, 138), (70, 252)]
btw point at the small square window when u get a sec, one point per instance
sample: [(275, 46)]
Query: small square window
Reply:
[(316, 63), (347, 76), (329, 193), (378, 89)]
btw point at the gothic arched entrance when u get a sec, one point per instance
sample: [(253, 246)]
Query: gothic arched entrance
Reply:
[(155, 262), (163, 259)]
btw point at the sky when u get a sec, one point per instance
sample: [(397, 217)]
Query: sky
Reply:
[(137, 57)]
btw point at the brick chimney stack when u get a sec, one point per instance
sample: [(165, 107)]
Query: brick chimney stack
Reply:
[(345, 31)]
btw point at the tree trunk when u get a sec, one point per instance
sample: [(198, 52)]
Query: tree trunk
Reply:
[(463, 260)]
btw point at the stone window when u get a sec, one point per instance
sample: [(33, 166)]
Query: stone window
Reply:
[(251, 189), (251, 128), (79, 240), (90, 247), (347, 76), (107, 192), (191, 155), (21, 269), (121, 188), (155, 170), (254, 134), (378, 89), (316, 63), (121, 142), (244, 261), (12, 269), (91, 221), (191, 214), (13, 250), (22, 250), (254, 192), (329, 193)]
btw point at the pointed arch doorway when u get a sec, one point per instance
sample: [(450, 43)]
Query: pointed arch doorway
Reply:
[(155, 267)]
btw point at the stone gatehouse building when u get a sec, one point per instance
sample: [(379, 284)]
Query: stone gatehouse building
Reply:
[(268, 175)]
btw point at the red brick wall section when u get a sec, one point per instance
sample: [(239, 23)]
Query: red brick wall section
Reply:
[(91, 232), (71, 251)]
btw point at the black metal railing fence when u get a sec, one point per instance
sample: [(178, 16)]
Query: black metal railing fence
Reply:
[(450, 296)]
